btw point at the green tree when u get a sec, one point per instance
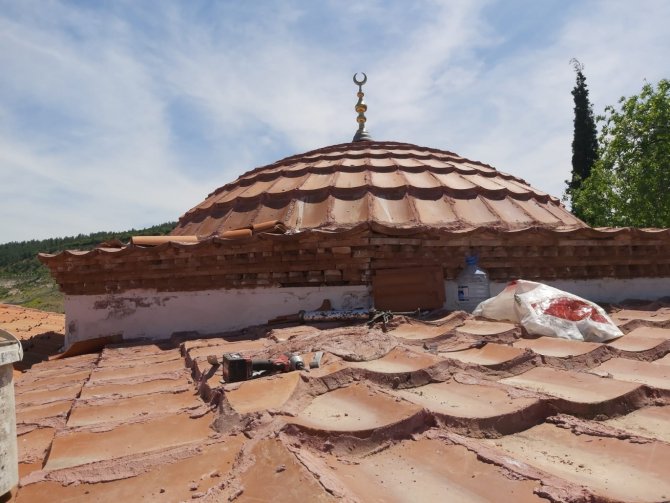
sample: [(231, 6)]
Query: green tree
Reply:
[(630, 183), (585, 138)]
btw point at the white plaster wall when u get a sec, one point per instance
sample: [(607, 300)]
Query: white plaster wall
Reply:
[(610, 290), (9, 465), (157, 315)]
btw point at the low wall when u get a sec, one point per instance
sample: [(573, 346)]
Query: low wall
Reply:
[(606, 290), (157, 315)]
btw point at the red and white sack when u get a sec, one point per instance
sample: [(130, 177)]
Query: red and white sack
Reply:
[(544, 310)]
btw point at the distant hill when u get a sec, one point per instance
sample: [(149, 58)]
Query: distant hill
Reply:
[(25, 281)]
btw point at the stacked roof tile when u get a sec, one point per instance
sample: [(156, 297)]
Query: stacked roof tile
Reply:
[(394, 184), (418, 413)]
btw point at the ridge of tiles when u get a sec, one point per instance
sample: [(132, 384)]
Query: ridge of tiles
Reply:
[(411, 413)]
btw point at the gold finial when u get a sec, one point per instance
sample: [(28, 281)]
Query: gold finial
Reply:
[(361, 108)]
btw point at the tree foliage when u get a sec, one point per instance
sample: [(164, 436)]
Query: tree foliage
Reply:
[(630, 184), (585, 138), (20, 258)]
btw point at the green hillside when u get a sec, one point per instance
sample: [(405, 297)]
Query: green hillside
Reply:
[(25, 281)]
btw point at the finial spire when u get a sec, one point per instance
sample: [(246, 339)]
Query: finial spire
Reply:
[(361, 108)]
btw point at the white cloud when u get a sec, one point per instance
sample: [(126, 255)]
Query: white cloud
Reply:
[(129, 115)]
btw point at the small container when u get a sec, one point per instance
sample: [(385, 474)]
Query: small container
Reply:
[(473, 285)]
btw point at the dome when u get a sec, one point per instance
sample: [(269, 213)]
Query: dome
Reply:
[(391, 184)]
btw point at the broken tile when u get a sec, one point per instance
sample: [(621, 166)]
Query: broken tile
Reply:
[(623, 369), (398, 360), (613, 468), (124, 409), (277, 475), (264, 393), (651, 422), (578, 387), (171, 481), (354, 408), (557, 347), (485, 327), (429, 470), (490, 355), (636, 344), (80, 447), (466, 400)]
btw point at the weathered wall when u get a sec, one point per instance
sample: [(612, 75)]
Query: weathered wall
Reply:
[(606, 290), (157, 315), (9, 468), (352, 257)]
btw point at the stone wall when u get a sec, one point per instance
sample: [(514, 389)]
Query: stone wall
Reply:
[(320, 258)]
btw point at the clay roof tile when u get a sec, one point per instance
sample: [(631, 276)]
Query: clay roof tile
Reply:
[(397, 181), (420, 410)]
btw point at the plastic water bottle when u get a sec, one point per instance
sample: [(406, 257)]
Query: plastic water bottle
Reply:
[(473, 285)]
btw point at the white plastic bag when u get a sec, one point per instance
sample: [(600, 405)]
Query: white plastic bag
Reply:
[(544, 310)]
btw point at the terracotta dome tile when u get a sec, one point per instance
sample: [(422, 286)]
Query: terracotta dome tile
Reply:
[(391, 176), (576, 387), (521, 186), (262, 394), (391, 211), (428, 470), (438, 163), (652, 422), (623, 369), (485, 182), (539, 213), (261, 187), (317, 181), (454, 181), (438, 212), (354, 408), (408, 162), (557, 347), (509, 211), (284, 184), (512, 186), (306, 215), (490, 355), (269, 213), (474, 212), (421, 180), (397, 361), (466, 400), (612, 468), (230, 196), (376, 162), (663, 361), (350, 212), (348, 180), (237, 219), (388, 180)]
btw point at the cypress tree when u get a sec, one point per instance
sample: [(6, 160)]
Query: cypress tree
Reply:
[(585, 139)]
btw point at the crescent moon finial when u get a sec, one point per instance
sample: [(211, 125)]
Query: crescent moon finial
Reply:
[(361, 108), (360, 82)]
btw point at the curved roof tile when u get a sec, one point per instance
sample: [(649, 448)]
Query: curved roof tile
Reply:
[(394, 184)]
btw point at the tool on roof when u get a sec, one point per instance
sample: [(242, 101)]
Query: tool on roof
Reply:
[(316, 361), (380, 316), (236, 368)]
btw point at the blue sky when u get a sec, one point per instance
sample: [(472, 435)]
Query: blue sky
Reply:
[(119, 114)]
